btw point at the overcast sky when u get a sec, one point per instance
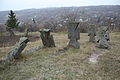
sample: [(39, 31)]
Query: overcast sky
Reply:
[(26, 4)]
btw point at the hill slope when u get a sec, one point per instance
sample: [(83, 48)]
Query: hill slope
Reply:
[(42, 15), (74, 64)]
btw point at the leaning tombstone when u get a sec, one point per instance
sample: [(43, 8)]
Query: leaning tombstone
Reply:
[(19, 47), (47, 38), (92, 33), (103, 43), (73, 34)]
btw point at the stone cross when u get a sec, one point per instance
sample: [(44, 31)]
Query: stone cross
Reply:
[(19, 47), (47, 38), (92, 33), (73, 34), (103, 38)]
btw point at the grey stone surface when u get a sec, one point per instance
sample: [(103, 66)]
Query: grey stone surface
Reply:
[(26, 32), (92, 33), (74, 34), (19, 47), (103, 37), (106, 34), (32, 50), (47, 38)]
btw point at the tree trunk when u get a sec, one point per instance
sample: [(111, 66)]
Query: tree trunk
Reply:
[(11, 32)]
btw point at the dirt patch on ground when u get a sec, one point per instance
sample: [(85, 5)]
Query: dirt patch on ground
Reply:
[(95, 55), (6, 41)]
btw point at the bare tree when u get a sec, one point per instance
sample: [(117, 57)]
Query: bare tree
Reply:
[(71, 14)]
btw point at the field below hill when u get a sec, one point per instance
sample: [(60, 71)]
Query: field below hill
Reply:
[(86, 63)]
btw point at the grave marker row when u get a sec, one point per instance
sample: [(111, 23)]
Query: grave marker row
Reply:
[(73, 35)]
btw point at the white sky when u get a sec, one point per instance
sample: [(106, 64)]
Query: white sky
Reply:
[(26, 4)]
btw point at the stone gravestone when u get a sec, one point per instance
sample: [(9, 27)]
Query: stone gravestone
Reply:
[(103, 38), (92, 33), (73, 34), (47, 39), (107, 34), (26, 32), (19, 47)]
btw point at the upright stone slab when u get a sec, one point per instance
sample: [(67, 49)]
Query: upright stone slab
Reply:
[(47, 38), (106, 34), (73, 34), (26, 32), (19, 47), (92, 33), (103, 43)]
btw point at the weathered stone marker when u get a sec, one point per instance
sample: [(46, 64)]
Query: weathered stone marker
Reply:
[(19, 47), (106, 35), (47, 39), (74, 34), (26, 32), (103, 38), (92, 33)]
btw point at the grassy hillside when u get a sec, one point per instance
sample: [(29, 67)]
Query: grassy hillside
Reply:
[(74, 64)]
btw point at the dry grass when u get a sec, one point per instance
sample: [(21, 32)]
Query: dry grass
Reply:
[(72, 65), (7, 41)]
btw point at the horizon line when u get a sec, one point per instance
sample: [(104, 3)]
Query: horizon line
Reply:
[(60, 7)]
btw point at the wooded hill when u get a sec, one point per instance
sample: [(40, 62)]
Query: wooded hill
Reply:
[(53, 17)]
